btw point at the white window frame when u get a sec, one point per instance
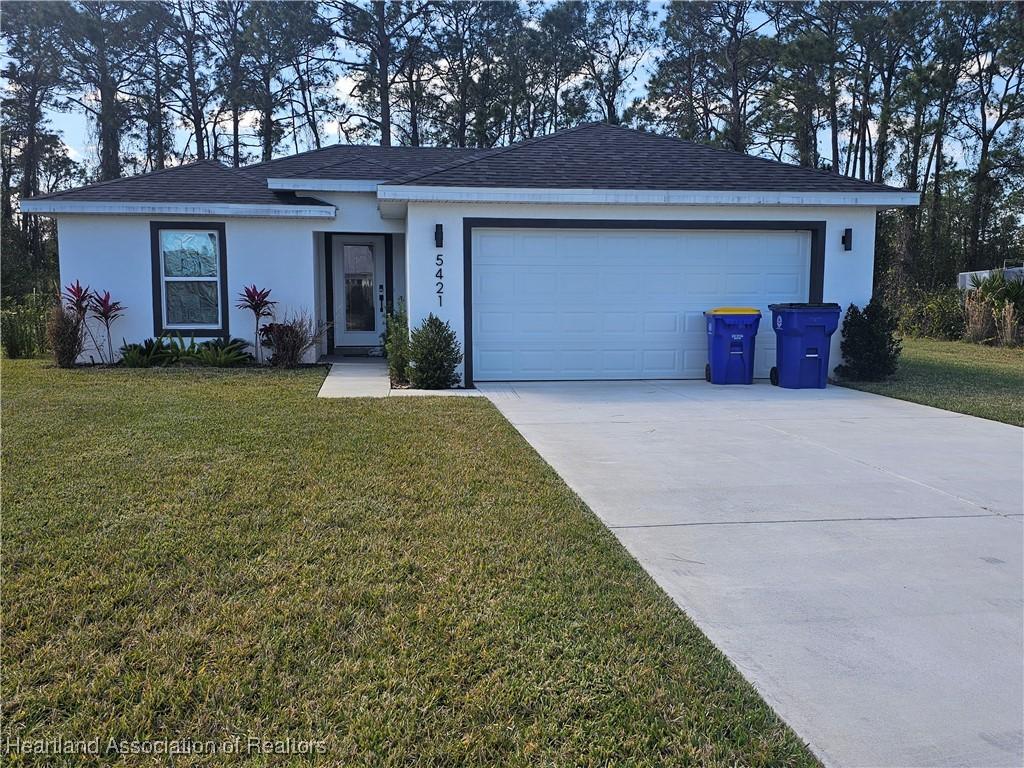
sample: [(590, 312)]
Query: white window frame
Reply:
[(161, 279)]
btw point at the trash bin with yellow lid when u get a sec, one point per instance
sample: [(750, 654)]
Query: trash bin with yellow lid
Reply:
[(731, 336)]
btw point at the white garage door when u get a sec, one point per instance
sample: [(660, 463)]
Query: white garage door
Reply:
[(610, 304)]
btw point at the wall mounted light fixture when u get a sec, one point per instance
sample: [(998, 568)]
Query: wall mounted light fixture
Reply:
[(439, 235), (847, 239)]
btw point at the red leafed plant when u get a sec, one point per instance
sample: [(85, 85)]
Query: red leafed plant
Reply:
[(77, 298), (106, 310), (259, 303)]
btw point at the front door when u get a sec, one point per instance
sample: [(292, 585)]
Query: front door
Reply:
[(358, 291)]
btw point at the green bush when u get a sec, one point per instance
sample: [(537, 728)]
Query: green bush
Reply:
[(396, 345), (870, 347), (434, 355), (935, 315), (150, 353), (220, 353), (23, 326), (223, 353)]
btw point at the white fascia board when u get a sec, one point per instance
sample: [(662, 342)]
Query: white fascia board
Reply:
[(412, 193), (326, 185), (239, 210)]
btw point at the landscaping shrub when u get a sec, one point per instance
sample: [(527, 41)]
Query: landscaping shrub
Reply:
[(290, 338), (936, 315), (994, 308), (979, 323), (870, 347), (103, 308), (434, 355), (65, 334), (258, 302), (1008, 324), (150, 353), (223, 353), (23, 326), (181, 352), (396, 345)]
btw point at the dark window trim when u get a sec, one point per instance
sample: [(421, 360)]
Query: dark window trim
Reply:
[(816, 228), (158, 294), (329, 288)]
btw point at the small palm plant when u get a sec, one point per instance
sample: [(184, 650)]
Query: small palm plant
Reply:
[(258, 302), (106, 310)]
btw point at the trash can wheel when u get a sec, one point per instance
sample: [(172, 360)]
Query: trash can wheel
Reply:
[(773, 376), (707, 372)]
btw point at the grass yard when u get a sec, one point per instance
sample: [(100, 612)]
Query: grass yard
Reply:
[(967, 378), (195, 555)]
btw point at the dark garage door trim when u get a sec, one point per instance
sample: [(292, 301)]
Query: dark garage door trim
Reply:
[(816, 228)]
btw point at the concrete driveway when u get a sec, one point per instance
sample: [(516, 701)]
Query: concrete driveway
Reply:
[(858, 558)]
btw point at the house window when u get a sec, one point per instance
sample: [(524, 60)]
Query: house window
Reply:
[(189, 281)]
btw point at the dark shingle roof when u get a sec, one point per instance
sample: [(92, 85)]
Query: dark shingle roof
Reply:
[(603, 156), (206, 181), (590, 156)]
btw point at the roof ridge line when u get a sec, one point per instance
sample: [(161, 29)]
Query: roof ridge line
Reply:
[(146, 175), (340, 144), (305, 174), (489, 153)]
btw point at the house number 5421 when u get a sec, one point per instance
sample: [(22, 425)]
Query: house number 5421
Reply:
[(439, 276)]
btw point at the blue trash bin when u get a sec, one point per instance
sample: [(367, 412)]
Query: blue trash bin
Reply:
[(731, 332), (803, 334)]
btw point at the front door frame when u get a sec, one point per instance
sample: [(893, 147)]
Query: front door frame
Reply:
[(816, 229), (328, 256)]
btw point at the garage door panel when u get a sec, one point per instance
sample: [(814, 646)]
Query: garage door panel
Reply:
[(781, 284), (621, 304)]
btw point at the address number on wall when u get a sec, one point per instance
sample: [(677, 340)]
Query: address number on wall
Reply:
[(439, 276)]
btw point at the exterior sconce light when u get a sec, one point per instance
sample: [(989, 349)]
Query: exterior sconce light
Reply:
[(439, 236), (847, 239)]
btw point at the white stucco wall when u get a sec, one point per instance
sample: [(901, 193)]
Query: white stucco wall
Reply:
[(847, 279), (114, 253), (109, 252)]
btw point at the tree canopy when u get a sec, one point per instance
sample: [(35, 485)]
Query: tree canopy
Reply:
[(926, 96)]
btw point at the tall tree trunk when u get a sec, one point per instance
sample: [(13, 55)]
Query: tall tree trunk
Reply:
[(109, 130), (235, 121), (160, 154), (267, 118), (882, 140), (383, 72)]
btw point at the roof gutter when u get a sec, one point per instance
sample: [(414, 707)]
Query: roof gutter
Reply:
[(414, 193), (237, 210)]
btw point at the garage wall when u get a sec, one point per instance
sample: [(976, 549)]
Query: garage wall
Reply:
[(114, 253), (848, 274)]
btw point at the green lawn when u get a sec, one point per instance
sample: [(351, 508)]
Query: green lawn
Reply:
[(967, 378), (193, 554)]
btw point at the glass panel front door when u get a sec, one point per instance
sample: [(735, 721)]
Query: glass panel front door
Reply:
[(358, 261)]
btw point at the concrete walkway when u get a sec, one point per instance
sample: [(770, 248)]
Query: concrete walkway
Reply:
[(368, 377), (858, 558)]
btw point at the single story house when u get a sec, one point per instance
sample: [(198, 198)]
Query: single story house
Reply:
[(589, 253)]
